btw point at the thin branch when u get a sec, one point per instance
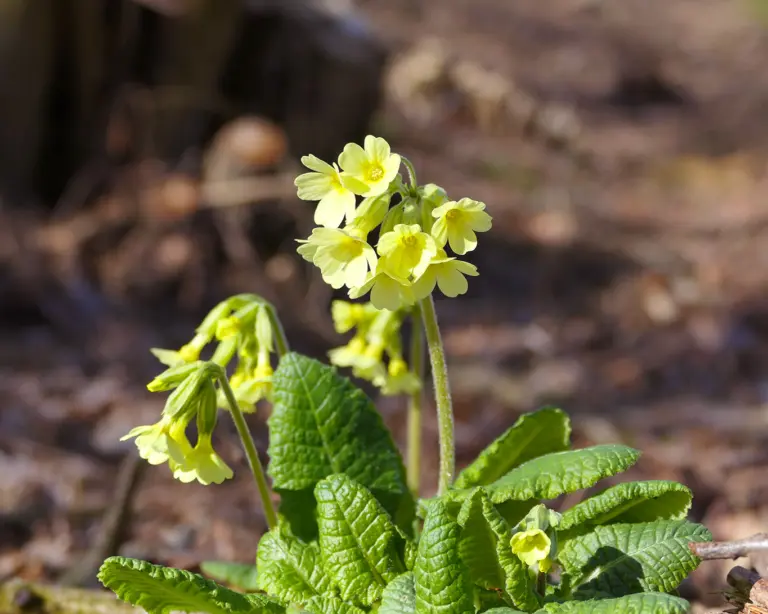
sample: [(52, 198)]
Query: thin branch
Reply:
[(710, 551)]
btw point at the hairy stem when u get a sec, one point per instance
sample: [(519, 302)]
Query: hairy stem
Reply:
[(281, 341), (250, 450), (415, 405), (442, 395), (411, 171)]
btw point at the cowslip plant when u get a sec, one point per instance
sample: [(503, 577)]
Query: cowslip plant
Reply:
[(351, 534)]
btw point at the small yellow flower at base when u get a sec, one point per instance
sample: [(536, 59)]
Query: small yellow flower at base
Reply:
[(327, 186), (532, 547), (457, 222), (447, 273), (399, 379), (407, 249), (203, 464), (342, 257), (387, 290), (374, 166)]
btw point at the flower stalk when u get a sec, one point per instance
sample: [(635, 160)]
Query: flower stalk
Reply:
[(442, 395), (416, 360), (257, 470)]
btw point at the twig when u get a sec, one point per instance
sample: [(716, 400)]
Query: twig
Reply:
[(710, 551), (113, 525)]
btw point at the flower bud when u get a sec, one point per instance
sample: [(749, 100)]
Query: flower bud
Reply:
[(171, 378), (264, 332)]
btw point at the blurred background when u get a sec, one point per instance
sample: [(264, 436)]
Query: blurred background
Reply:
[(147, 152)]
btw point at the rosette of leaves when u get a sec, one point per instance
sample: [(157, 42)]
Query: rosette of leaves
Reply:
[(347, 541)]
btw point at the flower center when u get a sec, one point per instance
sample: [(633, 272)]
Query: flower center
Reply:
[(409, 241), (452, 214), (375, 173)]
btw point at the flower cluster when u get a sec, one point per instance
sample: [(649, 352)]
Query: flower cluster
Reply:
[(193, 398), (242, 328), (377, 333), (417, 223)]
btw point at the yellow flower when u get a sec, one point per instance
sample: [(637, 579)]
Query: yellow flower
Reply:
[(348, 355), (532, 547), (388, 291), (160, 442), (399, 379), (228, 327), (342, 256), (407, 250), (201, 463), (457, 222), (447, 273), (346, 315), (327, 186), (374, 166)]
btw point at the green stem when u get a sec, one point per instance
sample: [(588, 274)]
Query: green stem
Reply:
[(281, 341), (250, 450), (414, 405), (411, 171), (442, 395)]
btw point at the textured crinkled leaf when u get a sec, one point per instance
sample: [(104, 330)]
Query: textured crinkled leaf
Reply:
[(550, 476), (400, 596), (289, 568), (321, 424), (442, 582), (358, 540), (503, 611), (486, 552), (630, 502), (330, 604), (241, 575), (642, 603), (620, 559), (161, 590), (535, 434)]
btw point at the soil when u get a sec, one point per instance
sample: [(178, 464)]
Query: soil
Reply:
[(620, 148)]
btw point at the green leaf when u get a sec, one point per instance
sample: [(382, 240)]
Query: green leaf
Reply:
[(642, 603), (289, 568), (321, 425), (330, 604), (298, 510), (627, 503), (550, 476), (161, 590), (486, 552), (240, 575), (358, 541), (503, 611), (620, 559), (400, 596), (442, 583), (535, 434)]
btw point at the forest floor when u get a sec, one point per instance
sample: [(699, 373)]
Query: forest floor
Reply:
[(623, 153)]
